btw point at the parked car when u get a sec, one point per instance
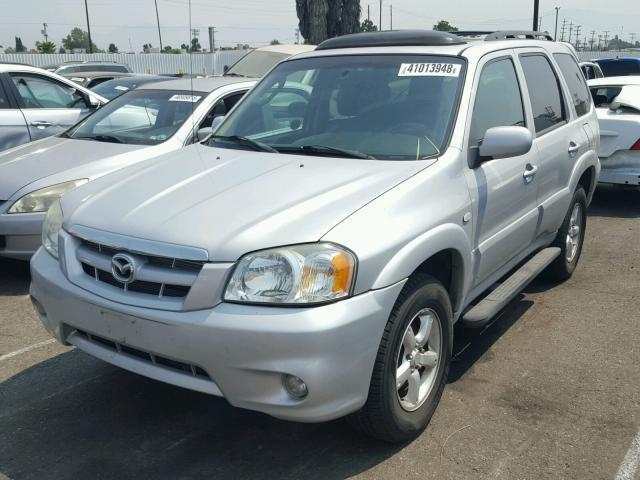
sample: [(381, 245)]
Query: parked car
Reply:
[(617, 101), (35, 103), (260, 60), (140, 124), (591, 70), (310, 260), (92, 66), (616, 67), (93, 79), (116, 87)]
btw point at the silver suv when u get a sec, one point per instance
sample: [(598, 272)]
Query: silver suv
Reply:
[(310, 259)]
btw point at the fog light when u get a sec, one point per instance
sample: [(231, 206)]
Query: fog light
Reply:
[(295, 386)]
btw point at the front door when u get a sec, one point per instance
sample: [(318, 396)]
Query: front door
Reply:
[(504, 190)]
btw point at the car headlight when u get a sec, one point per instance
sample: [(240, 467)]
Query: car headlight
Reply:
[(299, 274), (51, 227), (41, 200)]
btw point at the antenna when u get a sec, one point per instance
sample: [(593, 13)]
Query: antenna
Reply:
[(192, 31)]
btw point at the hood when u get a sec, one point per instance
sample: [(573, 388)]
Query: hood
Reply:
[(33, 161), (231, 202)]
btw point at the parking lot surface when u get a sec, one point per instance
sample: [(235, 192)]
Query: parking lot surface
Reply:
[(550, 390)]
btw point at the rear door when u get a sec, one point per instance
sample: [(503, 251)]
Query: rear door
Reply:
[(13, 126), (49, 106)]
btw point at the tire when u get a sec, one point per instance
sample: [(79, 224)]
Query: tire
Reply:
[(390, 413), (563, 267)]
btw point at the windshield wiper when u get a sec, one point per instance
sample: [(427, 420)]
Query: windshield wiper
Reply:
[(330, 150), (233, 74), (263, 147), (101, 138)]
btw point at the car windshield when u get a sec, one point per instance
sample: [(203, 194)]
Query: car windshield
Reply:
[(141, 117), (116, 87), (255, 64), (392, 107), (617, 68)]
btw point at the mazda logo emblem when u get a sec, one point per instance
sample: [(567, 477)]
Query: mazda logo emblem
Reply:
[(123, 268)]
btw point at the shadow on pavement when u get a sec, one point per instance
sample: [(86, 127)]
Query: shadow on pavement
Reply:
[(14, 277), (73, 416), (616, 202)]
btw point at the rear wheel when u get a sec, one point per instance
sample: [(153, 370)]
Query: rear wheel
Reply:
[(570, 238), (412, 363)]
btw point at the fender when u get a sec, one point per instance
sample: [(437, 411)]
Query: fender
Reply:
[(589, 159), (448, 236)]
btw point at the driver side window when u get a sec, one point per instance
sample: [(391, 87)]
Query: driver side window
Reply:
[(41, 92), (498, 100)]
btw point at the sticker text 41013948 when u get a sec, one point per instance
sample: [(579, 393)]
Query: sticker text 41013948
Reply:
[(429, 70)]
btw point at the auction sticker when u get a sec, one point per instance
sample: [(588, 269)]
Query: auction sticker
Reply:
[(185, 98), (121, 88), (429, 70)]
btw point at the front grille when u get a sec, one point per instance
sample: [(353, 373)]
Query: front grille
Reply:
[(158, 276), (158, 360)]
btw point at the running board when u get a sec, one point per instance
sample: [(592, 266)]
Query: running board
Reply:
[(479, 315)]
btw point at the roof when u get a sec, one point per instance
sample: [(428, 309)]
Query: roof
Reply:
[(21, 67), (196, 84), (289, 49), (393, 38), (623, 80), (617, 59), (95, 74)]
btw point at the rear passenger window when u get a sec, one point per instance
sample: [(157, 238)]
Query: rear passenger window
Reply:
[(575, 80), (544, 91), (4, 101), (498, 100)]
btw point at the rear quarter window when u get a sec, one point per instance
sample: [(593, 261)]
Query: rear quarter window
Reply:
[(575, 81)]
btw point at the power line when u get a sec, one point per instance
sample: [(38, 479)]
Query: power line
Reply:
[(564, 23), (578, 28), (606, 39)]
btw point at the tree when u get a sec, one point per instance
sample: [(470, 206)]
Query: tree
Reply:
[(78, 38), (61, 50), (112, 48), (146, 47), (19, 46), (322, 19), (275, 41), (46, 47), (445, 26), (195, 45), (170, 49), (184, 46), (368, 26), (9, 50)]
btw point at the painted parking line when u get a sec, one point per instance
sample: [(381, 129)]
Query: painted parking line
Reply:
[(629, 465), (7, 356)]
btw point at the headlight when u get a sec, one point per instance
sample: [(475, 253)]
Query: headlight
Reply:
[(41, 200), (309, 273), (51, 227)]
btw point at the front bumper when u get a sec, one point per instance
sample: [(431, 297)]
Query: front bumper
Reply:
[(623, 168), (244, 350), (20, 234)]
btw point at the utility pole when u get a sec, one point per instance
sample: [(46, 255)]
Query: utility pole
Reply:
[(555, 35), (212, 39), (380, 21), (44, 32), (593, 39), (297, 35), (578, 27), (390, 17), (536, 7), (86, 9), (570, 30), (368, 13), (564, 23), (633, 37), (158, 19), (606, 39), (599, 42)]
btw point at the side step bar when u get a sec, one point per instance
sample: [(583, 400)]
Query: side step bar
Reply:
[(480, 314)]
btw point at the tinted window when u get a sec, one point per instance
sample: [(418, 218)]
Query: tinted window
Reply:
[(620, 67), (498, 100), (575, 80), (256, 63), (603, 96), (41, 92), (4, 101), (544, 92)]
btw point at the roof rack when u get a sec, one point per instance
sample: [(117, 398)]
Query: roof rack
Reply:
[(507, 35), (392, 38)]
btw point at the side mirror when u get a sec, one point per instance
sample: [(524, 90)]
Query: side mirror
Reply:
[(94, 102), (216, 122), (504, 142), (204, 133)]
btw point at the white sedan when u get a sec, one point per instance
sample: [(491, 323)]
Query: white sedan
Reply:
[(617, 101)]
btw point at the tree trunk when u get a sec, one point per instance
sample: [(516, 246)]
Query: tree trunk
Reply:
[(323, 19)]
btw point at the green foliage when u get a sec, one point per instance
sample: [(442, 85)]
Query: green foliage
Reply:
[(78, 38), (368, 26), (445, 26), (46, 47), (112, 48), (19, 46), (195, 45), (275, 41), (169, 49)]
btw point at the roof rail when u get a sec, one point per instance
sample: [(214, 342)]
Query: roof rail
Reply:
[(506, 35)]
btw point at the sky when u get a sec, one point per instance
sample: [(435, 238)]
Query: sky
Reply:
[(131, 23)]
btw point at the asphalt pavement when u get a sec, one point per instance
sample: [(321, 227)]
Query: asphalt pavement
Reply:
[(551, 390)]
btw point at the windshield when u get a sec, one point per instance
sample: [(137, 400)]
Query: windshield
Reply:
[(393, 107), (255, 63), (116, 87), (617, 68), (141, 117)]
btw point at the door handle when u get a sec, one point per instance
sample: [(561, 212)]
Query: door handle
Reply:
[(41, 124), (573, 148), (530, 172)]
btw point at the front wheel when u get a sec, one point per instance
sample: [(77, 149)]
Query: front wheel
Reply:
[(412, 363), (570, 238)]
